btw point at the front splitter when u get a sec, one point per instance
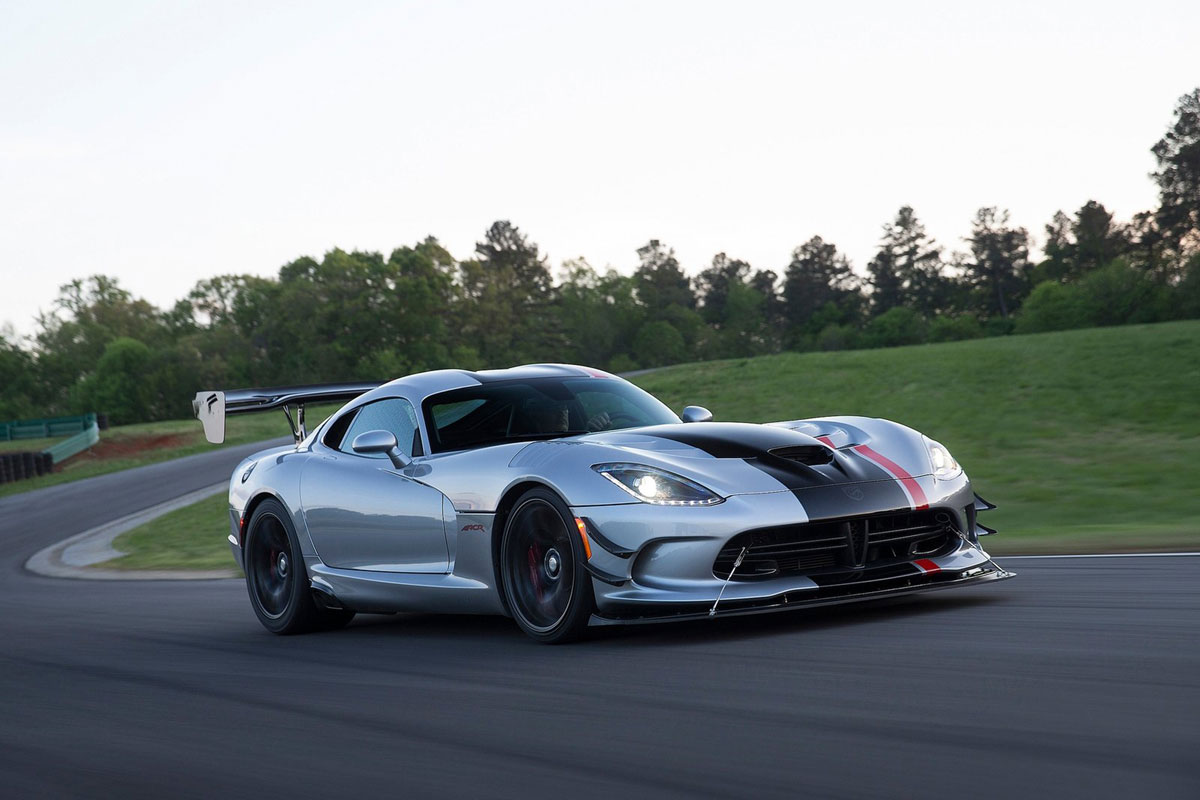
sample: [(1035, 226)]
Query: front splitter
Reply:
[(789, 602)]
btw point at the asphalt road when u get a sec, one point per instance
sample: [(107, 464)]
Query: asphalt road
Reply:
[(1078, 678)]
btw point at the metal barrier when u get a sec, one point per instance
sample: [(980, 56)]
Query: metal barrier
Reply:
[(15, 466), (76, 444), (49, 428)]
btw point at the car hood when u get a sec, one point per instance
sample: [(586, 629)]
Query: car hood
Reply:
[(739, 458)]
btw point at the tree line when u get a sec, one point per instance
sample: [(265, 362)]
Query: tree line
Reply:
[(359, 315)]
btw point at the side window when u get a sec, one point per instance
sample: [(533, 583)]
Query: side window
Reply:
[(394, 414)]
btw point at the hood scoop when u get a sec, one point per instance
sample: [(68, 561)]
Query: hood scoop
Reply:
[(811, 455)]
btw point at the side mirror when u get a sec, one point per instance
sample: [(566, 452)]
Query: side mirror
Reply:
[(380, 442), (696, 414)]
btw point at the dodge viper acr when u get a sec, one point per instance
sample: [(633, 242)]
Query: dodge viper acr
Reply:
[(566, 497)]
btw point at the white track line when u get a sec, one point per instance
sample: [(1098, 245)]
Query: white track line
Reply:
[(75, 557)]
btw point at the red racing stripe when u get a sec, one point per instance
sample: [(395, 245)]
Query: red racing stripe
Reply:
[(908, 481), (925, 565), (825, 440)]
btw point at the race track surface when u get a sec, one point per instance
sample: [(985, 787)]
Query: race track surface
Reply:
[(1078, 678)]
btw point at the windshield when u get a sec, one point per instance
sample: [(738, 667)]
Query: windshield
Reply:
[(541, 408)]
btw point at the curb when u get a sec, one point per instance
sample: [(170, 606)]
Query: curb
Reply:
[(74, 557)]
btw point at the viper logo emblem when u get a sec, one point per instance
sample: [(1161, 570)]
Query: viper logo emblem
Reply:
[(853, 492)]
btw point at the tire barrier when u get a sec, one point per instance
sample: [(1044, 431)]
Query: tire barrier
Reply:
[(25, 464), (81, 433)]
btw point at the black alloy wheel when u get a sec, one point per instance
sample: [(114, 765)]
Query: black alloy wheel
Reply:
[(542, 565), (276, 578)]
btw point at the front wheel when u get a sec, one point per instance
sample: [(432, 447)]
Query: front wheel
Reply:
[(542, 567), (276, 579)]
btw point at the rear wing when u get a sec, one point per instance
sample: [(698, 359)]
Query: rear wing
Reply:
[(211, 407)]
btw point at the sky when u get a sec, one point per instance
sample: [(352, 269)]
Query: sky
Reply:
[(167, 142)]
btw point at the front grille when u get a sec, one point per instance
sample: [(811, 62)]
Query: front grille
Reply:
[(838, 545)]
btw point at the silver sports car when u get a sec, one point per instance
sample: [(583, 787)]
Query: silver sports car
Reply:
[(565, 497)]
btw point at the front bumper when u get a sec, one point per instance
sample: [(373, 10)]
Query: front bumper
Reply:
[(658, 563)]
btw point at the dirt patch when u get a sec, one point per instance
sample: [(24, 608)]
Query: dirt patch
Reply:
[(126, 446)]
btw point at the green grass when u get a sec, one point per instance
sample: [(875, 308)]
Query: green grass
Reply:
[(34, 445), (128, 446), (192, 537), (1088, 441)]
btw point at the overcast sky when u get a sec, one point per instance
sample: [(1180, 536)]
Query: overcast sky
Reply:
[(167, 142)]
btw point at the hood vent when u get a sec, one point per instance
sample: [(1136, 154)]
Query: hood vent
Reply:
[(813, 455)]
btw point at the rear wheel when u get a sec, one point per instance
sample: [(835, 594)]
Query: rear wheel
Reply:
[(542, 567), (276, 579)]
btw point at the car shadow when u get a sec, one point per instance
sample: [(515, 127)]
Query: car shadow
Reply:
[(445, 627), (791, 621)]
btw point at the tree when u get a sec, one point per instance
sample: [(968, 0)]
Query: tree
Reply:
[(1118, 294), (998, 268), (659, 343), (660, 280), (1054, 306), (766, 283), (735, 310), (894, 327), (327, 315), (508, 297), (713, 286), (1178, 174), (1081, 244), (16, 378), (419, 300), (1059, 252), (599, 315), (88, 314), (907, 270), (1098, 240), (817, 285), (120, 385), (1149, 246)]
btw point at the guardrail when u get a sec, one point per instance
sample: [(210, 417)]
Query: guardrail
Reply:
[(82, 432), (48, 428), (76, 444)]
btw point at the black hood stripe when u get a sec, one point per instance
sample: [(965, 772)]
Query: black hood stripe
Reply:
[(754, 443)]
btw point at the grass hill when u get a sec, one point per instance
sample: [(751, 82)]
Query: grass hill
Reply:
[(1089, 441), (1085, 439)]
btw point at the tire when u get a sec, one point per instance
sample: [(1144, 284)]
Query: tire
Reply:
[(548, 590), (276, 579)]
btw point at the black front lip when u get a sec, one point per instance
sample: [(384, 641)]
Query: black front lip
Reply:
[(793, 600)]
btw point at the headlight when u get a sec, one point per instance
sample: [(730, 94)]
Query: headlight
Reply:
[(656, 486), (944, 465)]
